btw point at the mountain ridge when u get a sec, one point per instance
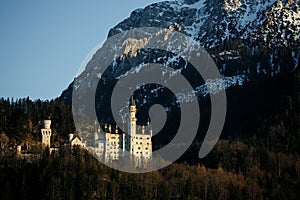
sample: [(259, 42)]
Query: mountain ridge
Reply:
[(249, 63), (250, 46), (204, 20)]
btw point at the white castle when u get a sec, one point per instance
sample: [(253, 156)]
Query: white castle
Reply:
[(46, 133), (46, 137), (112, 145)]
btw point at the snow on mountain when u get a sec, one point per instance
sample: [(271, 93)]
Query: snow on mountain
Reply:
[(212, 21), (248, 40)]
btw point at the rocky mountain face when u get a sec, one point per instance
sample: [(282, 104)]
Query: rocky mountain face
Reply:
[(254, 43), (212, 22), (231, 29)]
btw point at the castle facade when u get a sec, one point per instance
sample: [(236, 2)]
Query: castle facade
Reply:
[(112, 145)]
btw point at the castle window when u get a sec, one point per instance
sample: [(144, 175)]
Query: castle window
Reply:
[(139, 148), (146, 148), (148, 138)]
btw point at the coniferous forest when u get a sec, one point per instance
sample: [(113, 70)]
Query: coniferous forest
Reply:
[(261, 163)]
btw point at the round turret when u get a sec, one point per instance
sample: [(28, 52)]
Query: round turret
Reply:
[(47, 124)]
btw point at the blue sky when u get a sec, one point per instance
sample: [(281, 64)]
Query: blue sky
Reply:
[(43, 43)]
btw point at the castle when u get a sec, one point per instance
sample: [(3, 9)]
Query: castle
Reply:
[(46, 137), (111, 145)]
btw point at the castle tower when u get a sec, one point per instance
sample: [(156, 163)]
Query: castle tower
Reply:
[(46, 133), (132, 120), (132, 123)]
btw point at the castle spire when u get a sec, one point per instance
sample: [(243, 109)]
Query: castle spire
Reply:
[(132, 119), (132, 101)]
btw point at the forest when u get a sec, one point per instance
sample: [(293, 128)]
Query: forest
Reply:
[(263, 164)]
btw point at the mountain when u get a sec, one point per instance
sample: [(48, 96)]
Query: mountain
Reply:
[(234, 28), (213, 22), (255, 45)]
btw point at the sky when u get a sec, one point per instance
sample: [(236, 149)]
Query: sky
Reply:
[(43, 43)]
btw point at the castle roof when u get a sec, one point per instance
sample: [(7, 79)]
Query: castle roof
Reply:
[(75, 135), (75, 138), (132, 101)]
